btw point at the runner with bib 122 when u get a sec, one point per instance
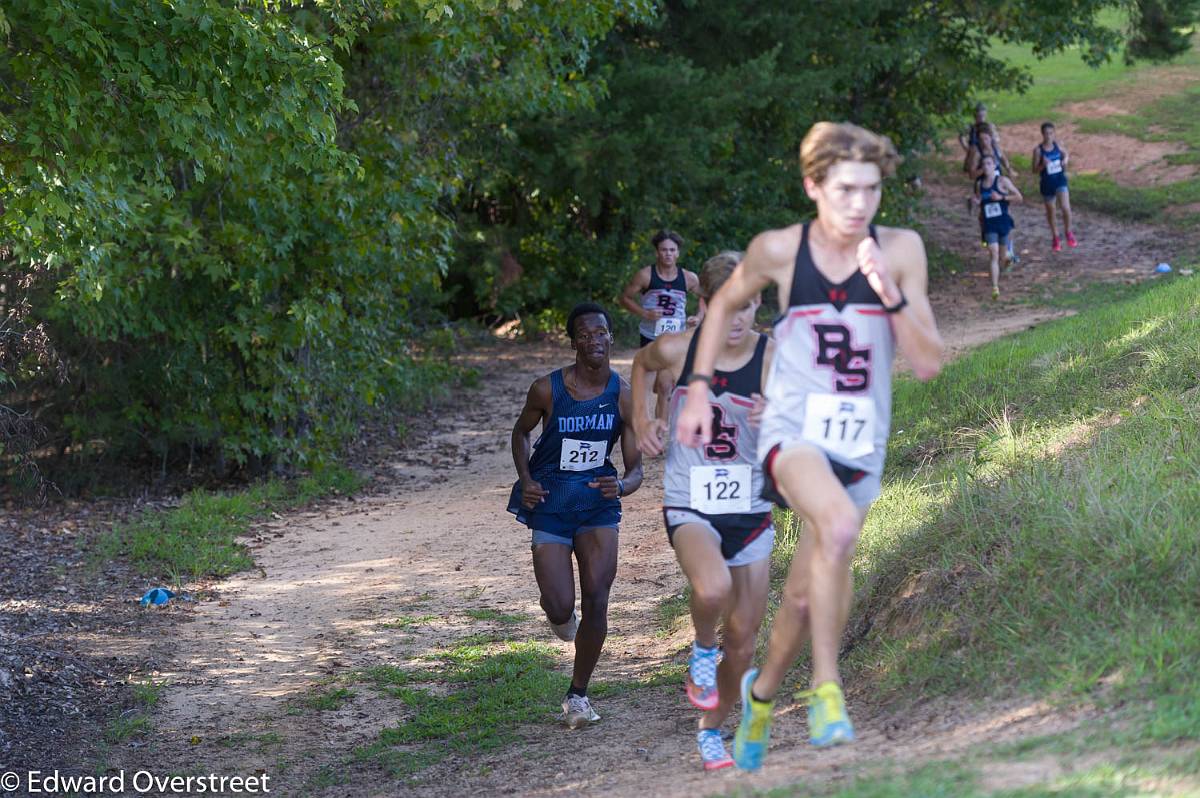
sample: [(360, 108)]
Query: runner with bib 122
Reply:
[(716, 519), (849, 294)]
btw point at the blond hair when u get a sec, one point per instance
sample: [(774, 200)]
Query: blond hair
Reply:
[(828, 143), (716, 271)]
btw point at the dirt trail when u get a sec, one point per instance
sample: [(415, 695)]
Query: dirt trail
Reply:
[(437, 543), (433, 543)]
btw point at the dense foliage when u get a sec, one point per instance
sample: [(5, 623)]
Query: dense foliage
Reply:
[(231, 219), (700, 128)]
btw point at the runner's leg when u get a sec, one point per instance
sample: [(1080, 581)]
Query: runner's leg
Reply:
[(596, 551), (1050, 220), (994, 250), (700, 558), (747, 606), (556, 580), (1064, 202), (822, 595)]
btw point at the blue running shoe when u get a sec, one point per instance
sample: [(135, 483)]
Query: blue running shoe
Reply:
[(754, 732), (828, 723), (701, 681), (712, 749)]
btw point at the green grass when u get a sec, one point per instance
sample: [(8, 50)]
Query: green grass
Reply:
[(1040, 509), (127, 726), (492, 691), (146, 694), (1065, 78), (1099, 192), (199, 537), (409, 621), (1175, 117), (1037, 535), (497, 616), (327, 700), (474, 698)]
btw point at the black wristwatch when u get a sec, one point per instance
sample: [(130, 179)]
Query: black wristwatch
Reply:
[(899, 306)]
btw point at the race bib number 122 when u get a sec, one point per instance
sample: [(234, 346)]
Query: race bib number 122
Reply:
[(717, 490), (839, 424)]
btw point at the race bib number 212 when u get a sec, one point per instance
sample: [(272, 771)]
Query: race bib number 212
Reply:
[(581, 455)]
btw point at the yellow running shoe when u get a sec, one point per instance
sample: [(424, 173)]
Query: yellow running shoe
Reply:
[(828, 723)]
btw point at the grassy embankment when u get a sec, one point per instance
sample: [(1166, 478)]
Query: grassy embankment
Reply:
[(1040, 519)]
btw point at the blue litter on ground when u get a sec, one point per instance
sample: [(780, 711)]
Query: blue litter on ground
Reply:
[(157, 596), (1163, 268)]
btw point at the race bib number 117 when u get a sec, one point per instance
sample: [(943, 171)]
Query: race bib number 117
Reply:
[(839, 424)]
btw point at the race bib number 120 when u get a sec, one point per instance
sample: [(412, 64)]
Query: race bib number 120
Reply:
[(717, 490), (581, 455), (839, 424), (667, 325)]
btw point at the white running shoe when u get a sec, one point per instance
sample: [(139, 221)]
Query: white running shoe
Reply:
[(578, 712), (565, 631)]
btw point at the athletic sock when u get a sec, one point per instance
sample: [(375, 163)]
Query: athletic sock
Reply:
[(579, 691), (699, 649)]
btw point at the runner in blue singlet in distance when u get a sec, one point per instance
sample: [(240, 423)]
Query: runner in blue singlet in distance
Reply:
[(1050, 164), (994, 192)]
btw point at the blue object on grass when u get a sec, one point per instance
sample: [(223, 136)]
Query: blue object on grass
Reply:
[(1163, 268), (157, 596)]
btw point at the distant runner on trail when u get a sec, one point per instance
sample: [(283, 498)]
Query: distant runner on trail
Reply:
[(717, 521), (1050, 162), (657, 294), (987, 144), (993, 193), (969, 139), (849, 293), (568, 493)]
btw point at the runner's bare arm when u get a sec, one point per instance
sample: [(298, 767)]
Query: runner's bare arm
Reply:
[(1036, 160), (760, 401), (693, 286), (1010, 188), (538, 404), (611, 487), (665, 353), (898, 272), (1066, 156), (630, 296), (768, 258)]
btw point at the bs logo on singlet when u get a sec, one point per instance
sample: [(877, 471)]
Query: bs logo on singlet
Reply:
[(836, 350), (724, 437)]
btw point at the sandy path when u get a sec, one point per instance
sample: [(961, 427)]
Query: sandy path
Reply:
[(434, 540)]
